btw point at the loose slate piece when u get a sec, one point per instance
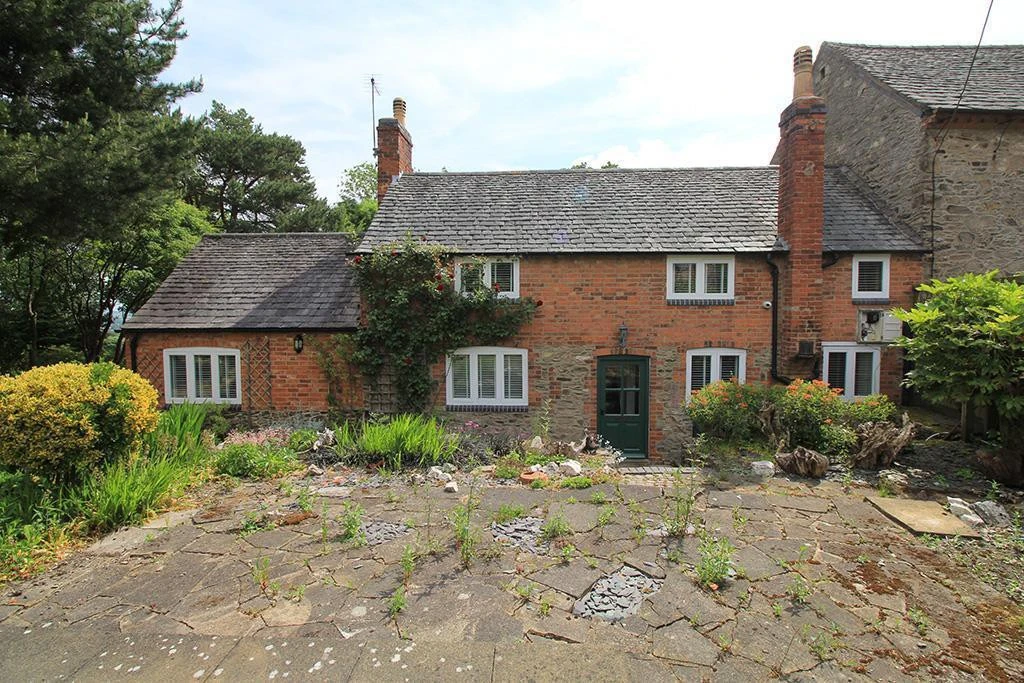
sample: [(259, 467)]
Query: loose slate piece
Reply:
[(382, 532), (922, 517), (617, 596), (523, 533)]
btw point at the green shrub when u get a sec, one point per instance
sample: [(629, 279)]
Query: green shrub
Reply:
[(405, 440), (62, 421), (302, 440), (255, 462), (729, 410), (807, 406), (577, 483), (874, 408), (215, 422)]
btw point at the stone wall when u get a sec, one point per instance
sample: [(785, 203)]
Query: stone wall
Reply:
[(887, 145)]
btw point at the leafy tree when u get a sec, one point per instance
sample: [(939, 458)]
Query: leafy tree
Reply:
[(88, 141), (584, 165), (967, 345), (247, 180), (360, 182)]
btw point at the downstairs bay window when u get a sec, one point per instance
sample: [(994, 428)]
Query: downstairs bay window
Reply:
[(704, 366), (202, 375), (486, 376), (853, 368)]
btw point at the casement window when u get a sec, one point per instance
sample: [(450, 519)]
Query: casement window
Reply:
[(202, 375), (500, 274), (704, 366), (701, 278), (854, 368), (871, 276), (487, 376)]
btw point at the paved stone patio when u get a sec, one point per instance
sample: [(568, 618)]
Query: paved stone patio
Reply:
[(826, 588)]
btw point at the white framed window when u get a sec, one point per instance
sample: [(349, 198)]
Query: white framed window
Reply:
[(202, 375), (487, 376), (700, 277), (704, 366), (871, 276), (500, 274), (854, 368)]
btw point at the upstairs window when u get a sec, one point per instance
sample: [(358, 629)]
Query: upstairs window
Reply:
[(696, 278), (852, 368), (202, 375), (502, 275), (487, 376), (871, 276), (704, 366)]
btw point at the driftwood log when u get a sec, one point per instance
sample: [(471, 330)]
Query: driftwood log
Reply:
[(878, 443), (803, 462)]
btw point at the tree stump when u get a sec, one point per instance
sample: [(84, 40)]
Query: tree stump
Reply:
[(878, 443), (803, 462)]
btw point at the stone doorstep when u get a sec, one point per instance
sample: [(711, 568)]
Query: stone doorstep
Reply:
[(923, 517)]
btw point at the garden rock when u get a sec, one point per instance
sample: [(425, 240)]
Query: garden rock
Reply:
[(314, 471), (334, 491), (972, 519), (617, 596), (763, 468), (570, 468), (437, 474), (992, 512), (803, 462), (536, 444), (451, 487), (448, 467), (959, 507)]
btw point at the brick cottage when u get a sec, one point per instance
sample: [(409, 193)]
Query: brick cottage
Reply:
[(655, 282)]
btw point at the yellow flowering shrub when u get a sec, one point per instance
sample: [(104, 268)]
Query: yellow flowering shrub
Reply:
[(60, 421)]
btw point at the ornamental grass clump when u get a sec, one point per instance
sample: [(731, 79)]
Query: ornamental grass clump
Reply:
[(405, 440), (64, 421)]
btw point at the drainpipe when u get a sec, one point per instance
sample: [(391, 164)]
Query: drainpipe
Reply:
[(775, 322)]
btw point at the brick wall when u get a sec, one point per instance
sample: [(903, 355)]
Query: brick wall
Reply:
[(274, 377), (586, 298), (881, 137), (394, 154)]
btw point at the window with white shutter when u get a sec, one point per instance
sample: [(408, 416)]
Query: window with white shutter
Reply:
[(852, 368), (700, 278), (202, 375), (487, 376), (704, 366), (871, 276), (499, 274)]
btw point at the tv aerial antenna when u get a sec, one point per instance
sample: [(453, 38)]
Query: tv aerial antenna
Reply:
[(374, 92)]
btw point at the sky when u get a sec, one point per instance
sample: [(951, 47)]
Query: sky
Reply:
[(505, 85)]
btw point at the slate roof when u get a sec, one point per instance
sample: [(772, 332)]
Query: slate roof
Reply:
[(287, 281), (616, 211), (932, 76)]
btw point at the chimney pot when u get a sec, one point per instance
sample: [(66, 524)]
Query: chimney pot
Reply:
[(398, 106), (803, 77)]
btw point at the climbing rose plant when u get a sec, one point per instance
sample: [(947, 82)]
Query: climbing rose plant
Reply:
[(414, 316)]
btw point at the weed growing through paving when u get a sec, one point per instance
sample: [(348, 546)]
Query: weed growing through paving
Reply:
[(598, 498), (351, 520), (466, 537), (392, 497), (715, 561), (605, 517), (680, 505), (555, 527), (739, 521), (919, 619), (591, 561), (931, 541), (305, 500), (577, 483), (296, 593), (799, 590), (545, 606), (571, 500), (408, 563), (823, 645), (993, 491), (506, 513), (255, 522), (885, 489), (524, 590), (260, 572), (777, 610), (568, 552), (861, 559), (324, 526), (397, 602)]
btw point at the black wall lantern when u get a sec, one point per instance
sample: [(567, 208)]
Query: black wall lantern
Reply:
[(298, 342), (623, 337)]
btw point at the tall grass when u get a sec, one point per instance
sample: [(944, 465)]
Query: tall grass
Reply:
[(405, 440)]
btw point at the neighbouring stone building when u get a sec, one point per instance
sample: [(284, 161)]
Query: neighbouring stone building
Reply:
[(896, 121)]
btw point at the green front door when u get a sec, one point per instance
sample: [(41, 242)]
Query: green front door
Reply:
[(622, 398)]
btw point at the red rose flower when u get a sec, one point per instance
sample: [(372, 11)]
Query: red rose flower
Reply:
[(440, 286), (357, 259), (407, 360), (540, 302), (497, 287)]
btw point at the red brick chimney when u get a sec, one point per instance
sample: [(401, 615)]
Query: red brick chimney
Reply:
[(801, 222), (394, 149)]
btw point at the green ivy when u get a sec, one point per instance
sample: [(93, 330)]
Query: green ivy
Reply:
[(413, 317)]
